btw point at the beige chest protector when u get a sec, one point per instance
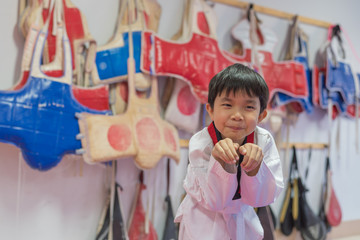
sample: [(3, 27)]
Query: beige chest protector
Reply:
[(139, 132)]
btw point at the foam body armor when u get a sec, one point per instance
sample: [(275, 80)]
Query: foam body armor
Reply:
[(139, 132), (287, 77), (196, 61), (40, 117)]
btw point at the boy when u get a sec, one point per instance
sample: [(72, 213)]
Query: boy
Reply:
[(234, 165)]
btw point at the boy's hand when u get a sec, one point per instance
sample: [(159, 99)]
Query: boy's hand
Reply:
[(225, 152), (253, 157)]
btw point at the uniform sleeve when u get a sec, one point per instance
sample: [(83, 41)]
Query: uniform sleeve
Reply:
[(263, 188), (206, 181)]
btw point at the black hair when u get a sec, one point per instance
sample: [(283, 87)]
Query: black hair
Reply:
[(239, 77)]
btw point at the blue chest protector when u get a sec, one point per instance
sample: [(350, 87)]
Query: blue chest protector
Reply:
[(40, 117), (325, 95), (339, 75), (340, 79)]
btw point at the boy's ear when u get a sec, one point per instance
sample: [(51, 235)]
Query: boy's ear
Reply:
[(262, 116), (209, 110)]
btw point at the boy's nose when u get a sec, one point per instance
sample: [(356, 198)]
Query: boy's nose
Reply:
[(237, 115)]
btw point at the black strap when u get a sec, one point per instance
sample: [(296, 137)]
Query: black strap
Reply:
[(336, 33), (168, 176), (119, 231), (170, 230), (141, 176), (238, 175), (294, 166), (307, 167), (217, 132), (251, 6)]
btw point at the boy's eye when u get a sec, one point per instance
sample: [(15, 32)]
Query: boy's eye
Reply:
[(250, 107), (226, 105)]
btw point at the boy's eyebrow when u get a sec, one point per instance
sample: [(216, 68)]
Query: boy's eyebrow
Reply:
[(224, 99), (227, 99), (251, 101)]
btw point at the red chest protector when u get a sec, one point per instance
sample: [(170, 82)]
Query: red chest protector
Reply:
[(196, 60), (287, 76), (76, 27), (216, 136), (94, 98)]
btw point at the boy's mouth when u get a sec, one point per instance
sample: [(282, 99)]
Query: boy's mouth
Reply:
[(236, 128)]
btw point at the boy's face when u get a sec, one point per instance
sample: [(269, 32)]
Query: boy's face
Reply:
[(236, 116)]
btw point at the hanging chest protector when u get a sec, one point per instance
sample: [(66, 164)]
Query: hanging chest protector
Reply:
[(139, 132), (94, 98), (298, 51), (40, 117), (287, 77), (334, 90), (339, 72), (196, 60), (76, 28), (320, 93), (343, 70)]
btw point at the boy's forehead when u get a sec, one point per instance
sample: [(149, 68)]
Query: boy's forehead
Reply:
[(236, 93)]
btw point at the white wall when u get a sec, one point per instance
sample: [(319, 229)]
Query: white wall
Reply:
[(61, 204)]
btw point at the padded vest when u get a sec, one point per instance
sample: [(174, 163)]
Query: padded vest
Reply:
[(287, 77), (195, 60), (40, 117), (139, 132)]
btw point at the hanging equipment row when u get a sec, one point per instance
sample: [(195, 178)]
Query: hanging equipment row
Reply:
[(274, 12)]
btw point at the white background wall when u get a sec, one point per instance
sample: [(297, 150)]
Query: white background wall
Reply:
[(61, 204)]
